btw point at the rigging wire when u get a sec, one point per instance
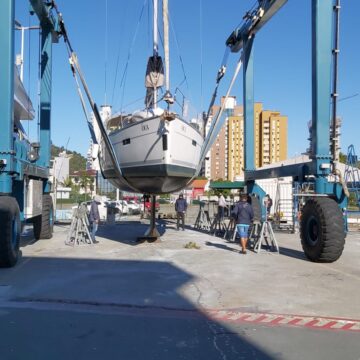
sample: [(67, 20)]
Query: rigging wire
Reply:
[(148, 27), (133, 102), (106, 48), (201, 55), (179, 54), (123, 78), (29, 72), (118, 54), (348, 97)]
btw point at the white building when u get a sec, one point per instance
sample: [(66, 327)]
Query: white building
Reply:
[(63, 192), (92, 162), (61, 167)]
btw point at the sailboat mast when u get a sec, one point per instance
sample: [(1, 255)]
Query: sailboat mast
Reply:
[(155, 44), (167, 97), (155, 29), (154, 77), (166, 44)]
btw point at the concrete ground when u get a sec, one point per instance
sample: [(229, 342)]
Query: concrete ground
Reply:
[(122, 299)]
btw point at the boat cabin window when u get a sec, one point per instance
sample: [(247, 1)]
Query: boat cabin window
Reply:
[(126, 141)]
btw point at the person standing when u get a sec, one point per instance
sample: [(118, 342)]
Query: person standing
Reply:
[(268, 203), (180, 208), (94, 218), (221, 206), (244, 215)]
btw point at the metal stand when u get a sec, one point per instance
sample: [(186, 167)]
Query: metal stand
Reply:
[(255, 233), (217, 225), (79, 233), (203, 219), (230, 233), (266, 237), (151, 234)]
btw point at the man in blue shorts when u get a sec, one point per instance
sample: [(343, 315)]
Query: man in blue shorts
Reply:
[(243, 214)]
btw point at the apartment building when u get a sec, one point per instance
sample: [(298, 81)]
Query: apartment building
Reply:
[(226, 157), (273, 137)]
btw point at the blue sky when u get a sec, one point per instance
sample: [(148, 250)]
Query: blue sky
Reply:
[(282, 61)]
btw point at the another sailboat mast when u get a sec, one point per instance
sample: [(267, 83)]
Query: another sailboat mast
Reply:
[(155, 44)]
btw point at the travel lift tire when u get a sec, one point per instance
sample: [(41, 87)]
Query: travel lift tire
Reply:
[(44, 223), (10, 231), (322, 230)]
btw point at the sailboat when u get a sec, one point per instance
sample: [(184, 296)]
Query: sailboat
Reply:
[(156, 151)]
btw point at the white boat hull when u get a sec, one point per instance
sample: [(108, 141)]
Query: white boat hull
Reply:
[(155, 156)]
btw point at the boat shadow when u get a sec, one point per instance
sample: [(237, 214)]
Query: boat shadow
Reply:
[(127, 232)]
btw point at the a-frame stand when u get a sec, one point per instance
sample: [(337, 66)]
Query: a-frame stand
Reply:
[(266, 237), (79, 233), (203, 219)]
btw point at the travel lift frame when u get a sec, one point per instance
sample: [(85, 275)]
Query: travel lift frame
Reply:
[(24, 167), (322, 226)]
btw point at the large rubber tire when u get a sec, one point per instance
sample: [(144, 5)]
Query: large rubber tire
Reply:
[(10, 231), (322, 230), (44, 223), (256, 206)]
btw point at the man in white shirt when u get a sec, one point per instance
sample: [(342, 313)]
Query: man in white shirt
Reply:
[(221, 206)]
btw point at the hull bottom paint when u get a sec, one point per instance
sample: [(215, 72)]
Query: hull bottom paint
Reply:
[(156, 179)]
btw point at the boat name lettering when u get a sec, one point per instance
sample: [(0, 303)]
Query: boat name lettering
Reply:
[(183, 128), (144, 127)]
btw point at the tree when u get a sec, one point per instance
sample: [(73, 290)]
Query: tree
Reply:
[(67, 182), (342, 158), (85, 182), (77, 161), (225, 192)]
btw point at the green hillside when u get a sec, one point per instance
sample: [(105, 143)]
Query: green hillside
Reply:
[(77, 161)]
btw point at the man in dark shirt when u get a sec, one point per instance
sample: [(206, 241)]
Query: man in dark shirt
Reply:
[(243, 214), (94, 218), (180, 208)]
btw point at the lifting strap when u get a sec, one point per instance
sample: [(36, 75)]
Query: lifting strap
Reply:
[(76, 70), (218, 120)]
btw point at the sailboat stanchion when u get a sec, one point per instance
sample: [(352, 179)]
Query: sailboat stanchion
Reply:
[(151, 234)]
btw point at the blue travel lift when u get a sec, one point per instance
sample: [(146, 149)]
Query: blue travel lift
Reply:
[(322, 224), (24, 166)]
